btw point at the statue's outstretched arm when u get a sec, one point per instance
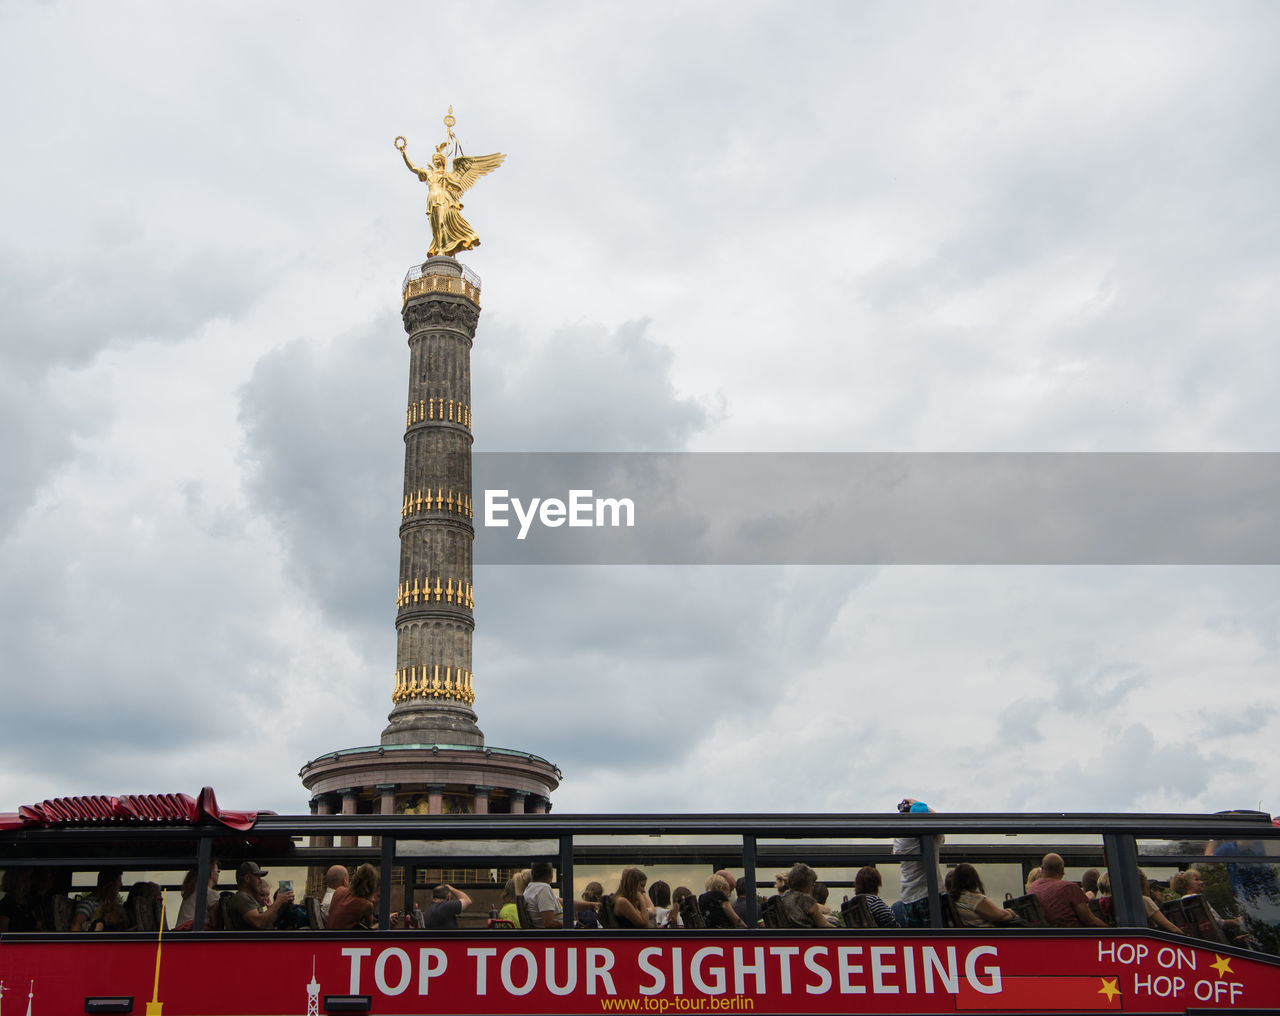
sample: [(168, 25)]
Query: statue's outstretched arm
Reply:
[(410, 164), (400, 147)]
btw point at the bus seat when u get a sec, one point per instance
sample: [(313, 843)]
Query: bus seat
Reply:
[(1030, 909), (1200, 920), (690, 914), (856, 913), (950, 916)]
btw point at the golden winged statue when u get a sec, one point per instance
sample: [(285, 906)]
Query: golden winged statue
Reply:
[(450, 232)]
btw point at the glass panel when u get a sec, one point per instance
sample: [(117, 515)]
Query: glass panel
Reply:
[(1237, 879)]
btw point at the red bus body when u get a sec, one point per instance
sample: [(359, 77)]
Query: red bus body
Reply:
[(578, 971), (477, 972)]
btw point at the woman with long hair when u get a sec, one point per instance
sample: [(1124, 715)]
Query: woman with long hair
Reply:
[(660, 895), (678, 895), (969, 896), (187, 912), (632, 907), (510, 910)]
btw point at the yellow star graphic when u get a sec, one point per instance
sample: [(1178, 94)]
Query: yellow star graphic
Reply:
[(1222, 966), (1109, 988)]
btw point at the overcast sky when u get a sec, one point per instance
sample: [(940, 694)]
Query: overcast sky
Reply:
[(720, 227)]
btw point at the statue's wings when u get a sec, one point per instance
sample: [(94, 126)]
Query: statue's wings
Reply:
[(467, 169)]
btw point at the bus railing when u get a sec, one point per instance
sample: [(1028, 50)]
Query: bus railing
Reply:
[(754, 844)]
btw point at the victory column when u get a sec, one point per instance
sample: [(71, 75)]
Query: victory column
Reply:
[(432, 757)]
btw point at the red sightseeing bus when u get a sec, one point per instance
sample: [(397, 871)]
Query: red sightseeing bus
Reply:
[(481, 969)]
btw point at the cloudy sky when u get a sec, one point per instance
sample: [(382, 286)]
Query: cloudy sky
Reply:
[(740, 227)]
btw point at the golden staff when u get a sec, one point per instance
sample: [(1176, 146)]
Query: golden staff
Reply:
[(155, 1007)]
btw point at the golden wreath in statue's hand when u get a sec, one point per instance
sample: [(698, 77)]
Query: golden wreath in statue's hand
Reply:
[(400, 143)]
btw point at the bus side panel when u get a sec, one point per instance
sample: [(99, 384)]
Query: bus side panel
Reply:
[(673, 972)]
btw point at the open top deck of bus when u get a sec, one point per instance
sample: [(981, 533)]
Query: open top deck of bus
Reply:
[(478, 970)]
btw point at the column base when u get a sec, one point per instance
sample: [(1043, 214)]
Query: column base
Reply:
[(435, 723)]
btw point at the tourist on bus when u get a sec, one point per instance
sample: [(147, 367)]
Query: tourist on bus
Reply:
[(660, 897), (540, 899), (353, 906), (678, 895), (1190, 883), (717, 911), (42, 899), (1089, 883), (821, 894), (1064, 903), (799, 908), (447, 903), (334, 879), (242, 911), (972, 904), (107, 891), (744, 893), (514, 888), (145, 907), (16, 912), (110, 915), (187, 911), (1155, 919), (632, 907), (587, 909), (867, 885), (914, 889)]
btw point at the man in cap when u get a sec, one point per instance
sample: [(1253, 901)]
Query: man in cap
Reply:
[(242, 910), (914, 889)]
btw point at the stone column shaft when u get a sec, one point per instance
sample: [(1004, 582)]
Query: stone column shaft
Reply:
[(434, 688)]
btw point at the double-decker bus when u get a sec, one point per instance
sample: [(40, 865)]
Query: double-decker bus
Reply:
[(487, 968)]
